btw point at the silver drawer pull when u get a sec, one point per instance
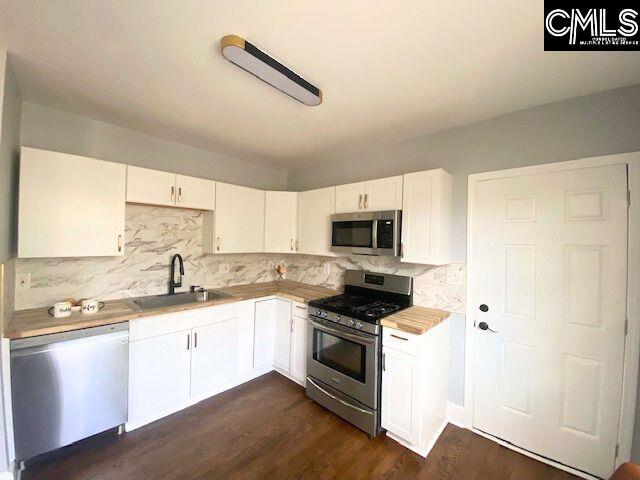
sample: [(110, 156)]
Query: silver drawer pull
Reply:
[(337, 399), (400, 338)]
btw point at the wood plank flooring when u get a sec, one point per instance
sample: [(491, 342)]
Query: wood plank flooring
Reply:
[(268, 429)]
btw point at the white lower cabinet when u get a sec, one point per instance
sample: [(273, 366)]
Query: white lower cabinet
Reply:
[(159, 375), (291, 340), (299, 349), (415, 384), (282, 352), (265, 319)]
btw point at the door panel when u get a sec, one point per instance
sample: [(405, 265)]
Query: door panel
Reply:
[(282, 352), (299, 349), (239, 219), (152, 187), (551, 267), (384, 194), (281, 222), (195, 192), (314, 221), (400, 382), (264, 328), (350, 198)]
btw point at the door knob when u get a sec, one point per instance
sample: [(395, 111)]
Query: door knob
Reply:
[(484, 308), (485, 326)]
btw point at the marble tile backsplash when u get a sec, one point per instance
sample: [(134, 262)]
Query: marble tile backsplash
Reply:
[(154, 234)]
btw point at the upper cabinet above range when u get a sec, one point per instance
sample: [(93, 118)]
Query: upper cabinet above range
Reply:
[(154, 187), (373, 195), (69, 206)]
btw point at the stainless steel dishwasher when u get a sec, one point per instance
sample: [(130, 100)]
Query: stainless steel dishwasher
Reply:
[(68, 386)]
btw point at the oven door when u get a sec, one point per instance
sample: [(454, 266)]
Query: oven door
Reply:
[(345, 360)]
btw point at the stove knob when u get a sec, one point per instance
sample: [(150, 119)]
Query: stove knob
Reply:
[(338, 317), (352, 322), (324, 314), (359, 325), (318, 312)]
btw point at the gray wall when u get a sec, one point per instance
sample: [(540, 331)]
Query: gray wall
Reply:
[(64, 132), (600, 124)]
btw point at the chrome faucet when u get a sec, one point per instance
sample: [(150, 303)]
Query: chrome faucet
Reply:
[(172, 281)]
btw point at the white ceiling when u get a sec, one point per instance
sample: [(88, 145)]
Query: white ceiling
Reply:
[(388, 69)]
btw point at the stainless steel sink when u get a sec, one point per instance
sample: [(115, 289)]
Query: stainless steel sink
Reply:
[(166, 300)]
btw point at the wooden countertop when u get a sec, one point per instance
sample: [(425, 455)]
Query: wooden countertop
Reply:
[(416, 320), (37, 321)]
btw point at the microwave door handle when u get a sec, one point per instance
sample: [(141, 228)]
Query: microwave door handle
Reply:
[(335, 331), (374, 233)]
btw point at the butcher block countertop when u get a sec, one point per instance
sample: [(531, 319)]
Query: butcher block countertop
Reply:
[(37, 321), (416, 320)]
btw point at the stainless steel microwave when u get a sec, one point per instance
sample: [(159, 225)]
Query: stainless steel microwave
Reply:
[(367, 233)]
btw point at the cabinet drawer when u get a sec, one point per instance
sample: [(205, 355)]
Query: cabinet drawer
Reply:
[(401, 341), (300, 309)]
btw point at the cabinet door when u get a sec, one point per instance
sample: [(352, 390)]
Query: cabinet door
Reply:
[(299, 349), (214, 358), (426, 217), (70, 206), (315, 208), (283, 326), (158, 374), (150, 186), (264, 328), (195, 192), (239, 219), (246, 318), (350, 198), (383, 194), (280, 222), (400, 394)]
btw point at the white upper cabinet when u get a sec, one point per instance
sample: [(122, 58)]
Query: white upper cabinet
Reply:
[(150, 186), (155, 187), (350, 198), (70, 206), (238, 220), (315, 208), (383, 194), (280, 222), (380, 194), (198, 193), (426, 217)]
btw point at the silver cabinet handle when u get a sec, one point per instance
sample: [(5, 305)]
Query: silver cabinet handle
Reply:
[(384, 362), (218, 244), (119, 243), (188, 341), (347, 404), (399, 338), (179, 194), (292, 325), (366, 200), (195, 340), (173, 194), (360, 201), (292, 244)]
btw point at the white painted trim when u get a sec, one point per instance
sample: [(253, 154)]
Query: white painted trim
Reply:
[(526, 453), (632, 342), (6, 476), (420, 451), (456, 415), (288, 376)]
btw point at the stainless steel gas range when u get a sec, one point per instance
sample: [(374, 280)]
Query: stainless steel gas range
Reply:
[(344, 345)]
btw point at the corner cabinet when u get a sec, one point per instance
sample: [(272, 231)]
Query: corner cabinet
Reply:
[(427, 199), (154, 187), (237, 226), (281, 222), (70, 206), (315, 208), (415, 385)]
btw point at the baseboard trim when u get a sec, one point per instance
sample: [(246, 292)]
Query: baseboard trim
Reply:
[(456, 414), (6, 476), (423, 452)]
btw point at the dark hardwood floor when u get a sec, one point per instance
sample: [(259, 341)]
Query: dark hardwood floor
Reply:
[(268, 428)]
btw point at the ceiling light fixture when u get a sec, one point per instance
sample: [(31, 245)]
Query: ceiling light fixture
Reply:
[(249, 57)]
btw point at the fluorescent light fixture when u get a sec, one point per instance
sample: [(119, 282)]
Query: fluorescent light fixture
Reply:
[(249, 57)]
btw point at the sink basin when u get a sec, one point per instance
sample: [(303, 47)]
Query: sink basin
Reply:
[(166, 300)]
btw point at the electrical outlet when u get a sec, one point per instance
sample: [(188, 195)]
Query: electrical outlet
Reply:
[(23, 280), (327, 268)]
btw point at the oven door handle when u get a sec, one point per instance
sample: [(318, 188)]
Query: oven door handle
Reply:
[(351, 336), (346, 404)]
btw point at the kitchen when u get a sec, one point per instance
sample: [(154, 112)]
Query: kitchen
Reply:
[(275, 303)]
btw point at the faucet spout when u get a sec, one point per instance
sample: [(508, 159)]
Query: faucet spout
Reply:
[(172, 280)]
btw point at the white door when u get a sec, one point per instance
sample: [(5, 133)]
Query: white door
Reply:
[(264, 332), (315, 208), (214, 357), (158, 374), (282, 351), (299, 349), (383, 194), (550, 267), (281, 222), (70, 206), (400, 395), (239, 219), (350, 198), (195, 192), (152, 187)]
